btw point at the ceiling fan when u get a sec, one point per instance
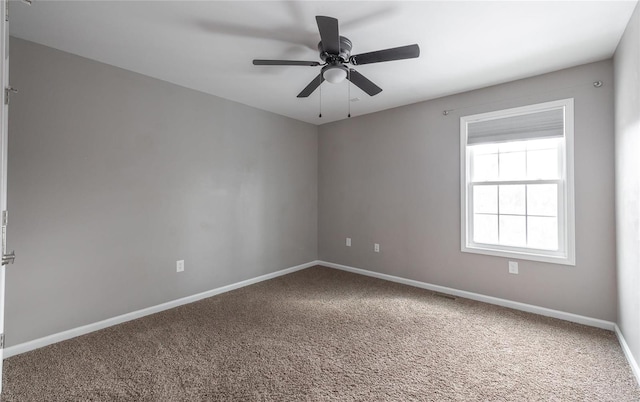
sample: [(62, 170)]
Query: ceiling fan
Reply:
[(335, 52)]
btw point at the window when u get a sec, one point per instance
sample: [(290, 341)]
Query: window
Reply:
[(517, 183)]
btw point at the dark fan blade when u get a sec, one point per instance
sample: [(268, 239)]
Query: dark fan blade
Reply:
[(285, 63), (329, 35), (396, 53), (363, 83), (311, 87)]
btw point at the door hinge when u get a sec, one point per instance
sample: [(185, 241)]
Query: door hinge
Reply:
[(2, 340), (7, 258), (7, 93)]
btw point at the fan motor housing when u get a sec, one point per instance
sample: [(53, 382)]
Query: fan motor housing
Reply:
[(345, 51)]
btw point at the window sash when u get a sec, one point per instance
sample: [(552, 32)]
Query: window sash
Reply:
[(560, 216), (559, 148)]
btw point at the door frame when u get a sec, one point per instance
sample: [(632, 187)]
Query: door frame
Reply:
[(4, 117)]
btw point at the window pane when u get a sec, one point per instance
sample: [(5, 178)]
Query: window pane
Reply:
[(485, 199), (512, 199), (542, 164), (512, 166), (513, 231), (542, 199), (485, 229), (485, 167), (543, 233)]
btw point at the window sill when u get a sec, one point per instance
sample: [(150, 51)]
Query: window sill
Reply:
[(520, 255)]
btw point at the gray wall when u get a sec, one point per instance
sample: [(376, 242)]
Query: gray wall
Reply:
[(627, 151), (394, 178), (113, 176)]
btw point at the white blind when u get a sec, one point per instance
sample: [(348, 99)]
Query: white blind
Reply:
[(543, 124)]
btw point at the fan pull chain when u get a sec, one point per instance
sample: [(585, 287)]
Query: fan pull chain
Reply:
[(349, 94), (320, 101)]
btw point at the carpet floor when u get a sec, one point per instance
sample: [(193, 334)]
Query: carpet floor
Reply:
[(322, 334)]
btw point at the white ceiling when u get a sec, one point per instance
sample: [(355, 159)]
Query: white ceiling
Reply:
[(209, 45)]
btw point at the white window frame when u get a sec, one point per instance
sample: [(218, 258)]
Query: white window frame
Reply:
[(566, 197)]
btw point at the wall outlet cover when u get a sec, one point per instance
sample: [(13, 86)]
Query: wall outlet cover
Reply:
[(348, 243), (513, 267), (180, 266), (376, 247)]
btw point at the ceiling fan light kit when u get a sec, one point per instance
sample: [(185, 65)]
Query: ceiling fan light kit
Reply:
[(335, 74), (335, 52)]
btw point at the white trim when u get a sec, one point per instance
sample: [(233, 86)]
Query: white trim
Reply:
[(592, 322), (464, 179), (570, 201), (516, 111), (627, 353), (85, 329)]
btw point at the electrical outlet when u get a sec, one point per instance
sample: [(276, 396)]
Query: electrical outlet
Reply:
[(180, 266), (348, 242), (376, 247), (513, 267)]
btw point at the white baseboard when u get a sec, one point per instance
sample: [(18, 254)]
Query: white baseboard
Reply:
[(593, 322), (627, 352), (72, 333), (85, 329)]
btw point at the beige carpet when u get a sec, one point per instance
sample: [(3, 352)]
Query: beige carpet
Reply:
[(322, 334)]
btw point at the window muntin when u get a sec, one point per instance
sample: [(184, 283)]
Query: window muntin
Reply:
[(517, 194)]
